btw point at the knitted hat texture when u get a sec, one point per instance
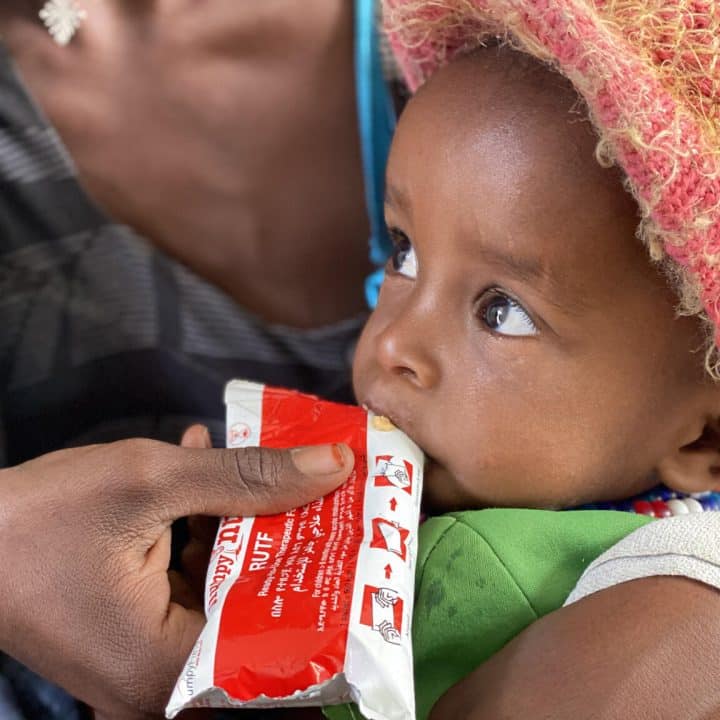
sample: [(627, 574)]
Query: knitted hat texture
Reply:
[(649, 72)]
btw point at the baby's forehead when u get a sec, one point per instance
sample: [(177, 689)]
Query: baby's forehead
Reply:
[(506, 144), (502, 113), (527, 111)]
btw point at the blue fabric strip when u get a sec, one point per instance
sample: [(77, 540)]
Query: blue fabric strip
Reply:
[(376, 120)]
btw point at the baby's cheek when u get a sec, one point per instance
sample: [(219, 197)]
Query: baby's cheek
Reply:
[(483, 476), (515, 473)]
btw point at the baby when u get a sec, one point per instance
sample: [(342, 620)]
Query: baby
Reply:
[(522, 336), (542, 350)]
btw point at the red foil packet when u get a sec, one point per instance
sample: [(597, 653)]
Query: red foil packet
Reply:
[(313, 606)]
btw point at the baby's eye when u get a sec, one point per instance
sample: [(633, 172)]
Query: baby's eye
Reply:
[(403, 259), (506, 317)]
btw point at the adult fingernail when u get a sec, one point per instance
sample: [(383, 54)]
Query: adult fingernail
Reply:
[(319, 459), (207, 440)]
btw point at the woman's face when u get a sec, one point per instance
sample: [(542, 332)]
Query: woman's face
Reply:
[(521, 338)]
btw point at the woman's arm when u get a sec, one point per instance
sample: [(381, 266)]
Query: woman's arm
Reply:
[(648, 648)]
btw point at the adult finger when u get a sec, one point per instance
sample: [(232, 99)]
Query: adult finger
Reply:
[(201, 528), (249, 481), (196, 436)]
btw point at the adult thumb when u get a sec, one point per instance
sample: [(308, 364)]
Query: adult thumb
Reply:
[(254, 481)]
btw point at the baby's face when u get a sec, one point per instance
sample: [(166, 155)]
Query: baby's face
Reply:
[(521, 338)]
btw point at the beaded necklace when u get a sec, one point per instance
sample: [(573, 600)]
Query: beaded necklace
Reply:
[(661, 502)]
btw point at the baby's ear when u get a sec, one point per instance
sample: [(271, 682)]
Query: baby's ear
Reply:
[(695, 467)]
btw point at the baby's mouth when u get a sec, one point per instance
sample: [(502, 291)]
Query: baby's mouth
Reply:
[(432, 468), (399, 421), (381, 416)]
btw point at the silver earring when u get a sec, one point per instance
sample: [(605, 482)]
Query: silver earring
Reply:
[(62, 18)]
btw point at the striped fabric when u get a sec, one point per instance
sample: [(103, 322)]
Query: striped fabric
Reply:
[(104, 337)]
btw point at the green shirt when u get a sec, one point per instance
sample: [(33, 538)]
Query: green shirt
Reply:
[(482, 576)]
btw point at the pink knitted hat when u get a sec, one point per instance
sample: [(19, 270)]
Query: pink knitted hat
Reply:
[(649, 71)]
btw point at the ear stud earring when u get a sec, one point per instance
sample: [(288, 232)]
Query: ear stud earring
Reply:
[(62, 18)]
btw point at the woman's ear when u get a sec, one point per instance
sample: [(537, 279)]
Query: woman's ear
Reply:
[(695, 467)]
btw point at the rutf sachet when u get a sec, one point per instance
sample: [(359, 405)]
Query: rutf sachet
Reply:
[(313, 606)]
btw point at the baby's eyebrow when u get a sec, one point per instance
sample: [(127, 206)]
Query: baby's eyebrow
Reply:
[(524, 268), (556, 290)]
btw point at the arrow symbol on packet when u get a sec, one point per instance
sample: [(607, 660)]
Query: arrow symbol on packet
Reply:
[(393, 504), (388, 571)]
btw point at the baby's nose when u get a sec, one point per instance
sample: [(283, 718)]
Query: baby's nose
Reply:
[(405, 351)]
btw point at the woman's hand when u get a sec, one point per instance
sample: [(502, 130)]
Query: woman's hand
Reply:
[(85, 597), (647, 649)]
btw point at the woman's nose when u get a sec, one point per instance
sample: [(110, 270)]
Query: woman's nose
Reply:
[(406, 349)]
